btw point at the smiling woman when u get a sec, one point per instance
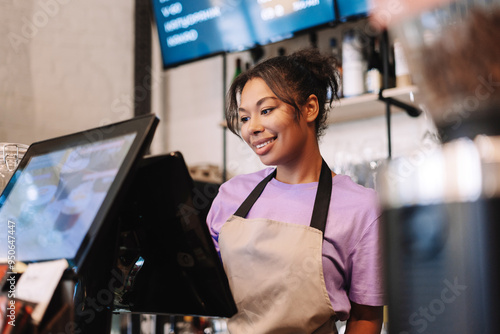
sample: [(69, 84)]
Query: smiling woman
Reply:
[(299, 244)]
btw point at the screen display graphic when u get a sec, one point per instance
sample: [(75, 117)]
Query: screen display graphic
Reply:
[(275, 20), (190, 30), (194, 29), (56, 196)]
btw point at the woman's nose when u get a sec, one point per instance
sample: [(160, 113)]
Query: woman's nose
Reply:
[(255, 125)]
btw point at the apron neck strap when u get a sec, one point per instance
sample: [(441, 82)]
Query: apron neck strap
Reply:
[(321, 203), (254, 195)]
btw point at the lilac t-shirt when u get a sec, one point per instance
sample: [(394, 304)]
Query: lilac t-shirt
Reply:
[(352, 264)]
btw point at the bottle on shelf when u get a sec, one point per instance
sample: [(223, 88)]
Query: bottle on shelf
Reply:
[(336, 52), (373, 78), (353, 63), (403, 77), (187, 325), (237, 70)]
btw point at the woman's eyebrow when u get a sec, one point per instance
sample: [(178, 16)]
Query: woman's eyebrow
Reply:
[(260, 102)]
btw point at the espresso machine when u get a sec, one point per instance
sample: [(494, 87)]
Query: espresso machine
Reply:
[(441, 207), (10, 156)]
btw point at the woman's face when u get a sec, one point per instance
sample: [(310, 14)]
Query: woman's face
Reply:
[(270, 126)]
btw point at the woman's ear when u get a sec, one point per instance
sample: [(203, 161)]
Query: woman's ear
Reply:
[(311, 108)]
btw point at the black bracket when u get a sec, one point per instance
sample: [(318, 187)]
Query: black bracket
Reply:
[(410, 110)]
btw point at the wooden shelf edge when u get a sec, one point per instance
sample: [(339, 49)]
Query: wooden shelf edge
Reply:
[(368, 105)]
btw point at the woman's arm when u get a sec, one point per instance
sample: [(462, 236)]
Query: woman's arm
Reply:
[(364, 319)]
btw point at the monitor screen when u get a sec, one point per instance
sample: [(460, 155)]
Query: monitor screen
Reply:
[(59, 195), (275, 20), (352, 8), (190, 30)]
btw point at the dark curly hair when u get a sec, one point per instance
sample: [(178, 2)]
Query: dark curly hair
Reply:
[(292, 79)]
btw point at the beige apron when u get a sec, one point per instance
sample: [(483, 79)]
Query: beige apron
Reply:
[(275, 269)]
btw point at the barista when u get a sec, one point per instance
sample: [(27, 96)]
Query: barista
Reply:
[(299, 244)]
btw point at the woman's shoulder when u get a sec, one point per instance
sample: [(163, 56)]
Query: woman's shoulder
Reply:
[(349, 193), (345, 183), (356, 212)]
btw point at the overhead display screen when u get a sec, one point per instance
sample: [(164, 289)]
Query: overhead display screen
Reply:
[(350, 8), (274, 20), (190, 30)]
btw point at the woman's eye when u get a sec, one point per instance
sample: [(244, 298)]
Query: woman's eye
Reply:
[(266, 111), (243, 119)]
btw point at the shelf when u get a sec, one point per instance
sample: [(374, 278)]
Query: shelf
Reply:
[(368, 105)]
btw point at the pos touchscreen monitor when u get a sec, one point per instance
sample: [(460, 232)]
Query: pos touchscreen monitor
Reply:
[(58, 198), (167, 257)]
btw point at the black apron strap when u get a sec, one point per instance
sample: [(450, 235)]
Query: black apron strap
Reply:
[(252, 198), (321, 203)]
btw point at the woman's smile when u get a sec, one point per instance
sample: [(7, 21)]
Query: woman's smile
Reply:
[(263, 146)]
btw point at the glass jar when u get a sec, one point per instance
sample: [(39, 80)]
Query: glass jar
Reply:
[(10, 156)]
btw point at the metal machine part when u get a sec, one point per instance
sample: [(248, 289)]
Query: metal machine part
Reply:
[(440, 229)]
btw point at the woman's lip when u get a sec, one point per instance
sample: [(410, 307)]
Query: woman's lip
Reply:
[(262, 150), (258, 143)]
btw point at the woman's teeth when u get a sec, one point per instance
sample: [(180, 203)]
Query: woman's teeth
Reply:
[(264, 144)]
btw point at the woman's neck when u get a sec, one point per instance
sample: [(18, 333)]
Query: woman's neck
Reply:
[(305, 170)]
